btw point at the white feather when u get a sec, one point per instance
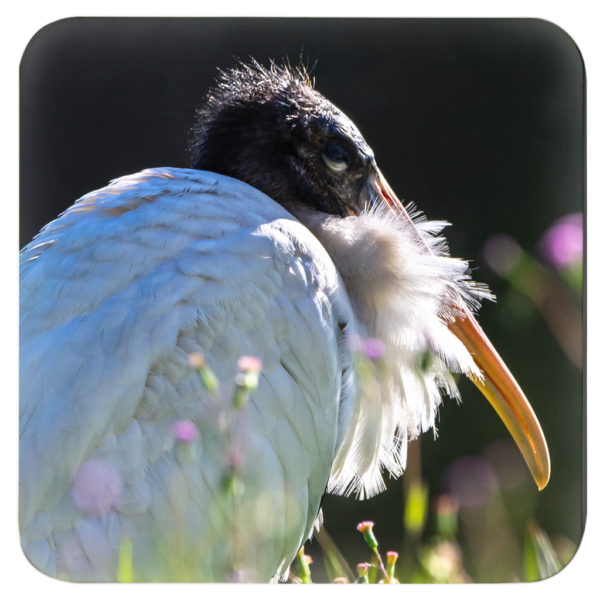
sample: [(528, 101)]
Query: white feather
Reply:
[(126, 284), (117, 292), (405, 298)]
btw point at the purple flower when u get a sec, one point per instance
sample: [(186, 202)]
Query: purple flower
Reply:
[(471, 480), (239, 576), (185, 431), (96, 487), (374, 348), (562, 244), (502, 253), (235, 459)]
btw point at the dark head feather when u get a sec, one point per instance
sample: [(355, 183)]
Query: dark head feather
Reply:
[(269, 127)]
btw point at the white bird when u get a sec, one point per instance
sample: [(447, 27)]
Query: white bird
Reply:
[(283, 242)]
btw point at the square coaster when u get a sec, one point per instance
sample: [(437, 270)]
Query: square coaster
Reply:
[(133, 466)]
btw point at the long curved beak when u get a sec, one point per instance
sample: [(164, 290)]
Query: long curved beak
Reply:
[(497, 384), (505, 395)]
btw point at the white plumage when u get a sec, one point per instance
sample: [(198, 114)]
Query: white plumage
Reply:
[(117, 292)]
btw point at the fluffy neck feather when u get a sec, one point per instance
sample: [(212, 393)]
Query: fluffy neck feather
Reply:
[(405, 298)]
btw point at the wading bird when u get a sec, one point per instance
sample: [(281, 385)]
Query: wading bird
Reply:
[(283, 242)]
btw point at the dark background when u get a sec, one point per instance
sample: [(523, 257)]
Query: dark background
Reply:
[(479, 122)]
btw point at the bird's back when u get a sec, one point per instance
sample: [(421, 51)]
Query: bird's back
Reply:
[(116, 295)]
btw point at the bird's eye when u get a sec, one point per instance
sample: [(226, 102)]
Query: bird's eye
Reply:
[(336, 157)]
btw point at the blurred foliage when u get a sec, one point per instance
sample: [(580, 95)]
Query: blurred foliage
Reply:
[(552, 284), (444, 535)]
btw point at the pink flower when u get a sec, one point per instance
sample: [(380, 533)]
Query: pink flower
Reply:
[(196, 360), (365, 526), (96, 487), (355, 343), (185, 431), (562, 244), (445, 506), (249, 364)]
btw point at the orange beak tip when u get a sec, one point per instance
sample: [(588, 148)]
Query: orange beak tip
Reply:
[(504, 394)]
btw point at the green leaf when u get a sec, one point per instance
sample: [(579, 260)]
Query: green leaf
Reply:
[(415, 512), (540, 560), (125, 566)]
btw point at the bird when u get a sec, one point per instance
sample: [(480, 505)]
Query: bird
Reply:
[(205, 351)]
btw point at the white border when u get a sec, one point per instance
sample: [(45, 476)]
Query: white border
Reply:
[(21, 22)]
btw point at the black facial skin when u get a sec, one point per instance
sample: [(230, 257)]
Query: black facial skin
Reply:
[(272, 130)]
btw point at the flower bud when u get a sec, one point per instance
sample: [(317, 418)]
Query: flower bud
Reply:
[(366, 528), (392, 557), (363, 573), (249, 364)]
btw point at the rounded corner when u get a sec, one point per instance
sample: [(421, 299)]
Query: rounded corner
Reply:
[(42, 35), (565, 35), (577, 549), (36, 563), (569, 561)]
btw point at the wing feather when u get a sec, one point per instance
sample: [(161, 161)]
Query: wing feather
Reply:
[(115, 294)]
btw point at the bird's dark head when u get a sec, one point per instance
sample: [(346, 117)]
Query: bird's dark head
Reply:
[(271, 129)]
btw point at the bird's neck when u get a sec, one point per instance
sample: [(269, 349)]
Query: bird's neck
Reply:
[(404, 297), (370, 254)]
